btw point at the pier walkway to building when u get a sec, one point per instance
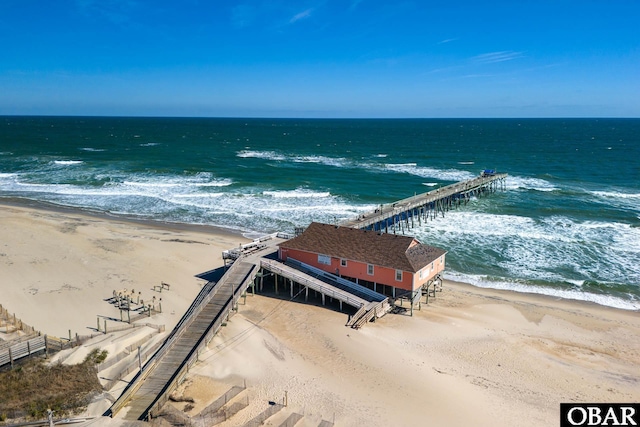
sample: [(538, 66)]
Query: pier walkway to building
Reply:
[(407, 213)]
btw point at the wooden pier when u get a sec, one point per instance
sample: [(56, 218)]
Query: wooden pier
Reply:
[(413, 211)]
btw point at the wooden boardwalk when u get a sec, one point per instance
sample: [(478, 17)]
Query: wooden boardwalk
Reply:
[(405, 213), (149, 390)]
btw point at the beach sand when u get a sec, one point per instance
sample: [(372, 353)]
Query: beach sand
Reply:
[(471, 356)]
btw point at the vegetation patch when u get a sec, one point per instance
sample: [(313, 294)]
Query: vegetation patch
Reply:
[(30, 389)]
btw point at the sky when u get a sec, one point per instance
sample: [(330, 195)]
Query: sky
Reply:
[(321, 58)]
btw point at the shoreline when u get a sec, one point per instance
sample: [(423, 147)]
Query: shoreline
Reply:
[(472, 356), (19, 202), (229, 232)]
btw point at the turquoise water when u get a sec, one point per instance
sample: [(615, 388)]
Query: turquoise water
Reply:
[(568, 224)]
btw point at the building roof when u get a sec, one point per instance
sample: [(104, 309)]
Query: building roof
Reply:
[(386, 250)]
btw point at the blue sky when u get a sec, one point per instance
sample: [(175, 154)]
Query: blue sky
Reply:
[(331, 58)]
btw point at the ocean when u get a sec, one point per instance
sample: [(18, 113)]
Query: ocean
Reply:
[(567, 225)]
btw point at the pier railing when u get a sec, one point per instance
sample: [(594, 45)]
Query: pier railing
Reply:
[(417, 205)]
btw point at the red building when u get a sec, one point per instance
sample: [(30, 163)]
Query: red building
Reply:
[(391, 264)]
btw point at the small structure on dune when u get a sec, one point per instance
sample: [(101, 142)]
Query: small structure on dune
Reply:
[(393, 265)]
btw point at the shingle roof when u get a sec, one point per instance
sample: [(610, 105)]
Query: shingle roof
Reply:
[(387, 250)]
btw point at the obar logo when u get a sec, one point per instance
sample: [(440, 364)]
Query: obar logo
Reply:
[(599, 414)]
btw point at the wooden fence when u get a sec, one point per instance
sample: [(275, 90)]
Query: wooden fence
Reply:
[(22, 349), (10, 321)]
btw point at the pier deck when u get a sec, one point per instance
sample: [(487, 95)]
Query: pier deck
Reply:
[(404, 213)]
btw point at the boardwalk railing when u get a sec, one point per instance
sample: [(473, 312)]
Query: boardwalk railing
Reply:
[(205, 294), (305, 280), (204, 341), (373, 310), (347, 285)]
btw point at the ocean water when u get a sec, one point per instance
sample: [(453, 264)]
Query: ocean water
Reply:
[(567, 225)]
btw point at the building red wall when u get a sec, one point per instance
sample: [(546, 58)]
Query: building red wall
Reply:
[(430, 271), (355, 269)]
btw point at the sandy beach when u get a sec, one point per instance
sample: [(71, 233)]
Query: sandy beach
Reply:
[(471, 356)]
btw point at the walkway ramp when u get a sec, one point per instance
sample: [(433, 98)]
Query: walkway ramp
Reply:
[(150, 388), (337, 281), (369, 303), (312, 282)]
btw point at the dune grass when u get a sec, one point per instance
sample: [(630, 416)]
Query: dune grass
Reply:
[(30, 389)]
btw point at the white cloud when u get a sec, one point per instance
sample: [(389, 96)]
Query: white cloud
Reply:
[(302, 15), (493, 57)]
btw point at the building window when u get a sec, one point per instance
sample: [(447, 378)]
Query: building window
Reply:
[(343, 263), (398, 275), (370, 269), (324, 259), (431, 266)]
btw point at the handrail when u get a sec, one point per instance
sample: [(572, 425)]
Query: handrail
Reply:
[(376, 296), (373, 311), (299, 277)]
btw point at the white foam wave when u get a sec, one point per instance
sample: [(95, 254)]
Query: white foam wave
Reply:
[(616, 195), (298, 193), (618, 199), (430, 184), (526, 183), (267, 155), (67, 162), (411, 168), (202, 179), (466, 163), (219, 183), (93, 150), (272, 155), (148, 144), (555, 249), (574, 294), (152, 184), (199, 196), (429, 172)]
